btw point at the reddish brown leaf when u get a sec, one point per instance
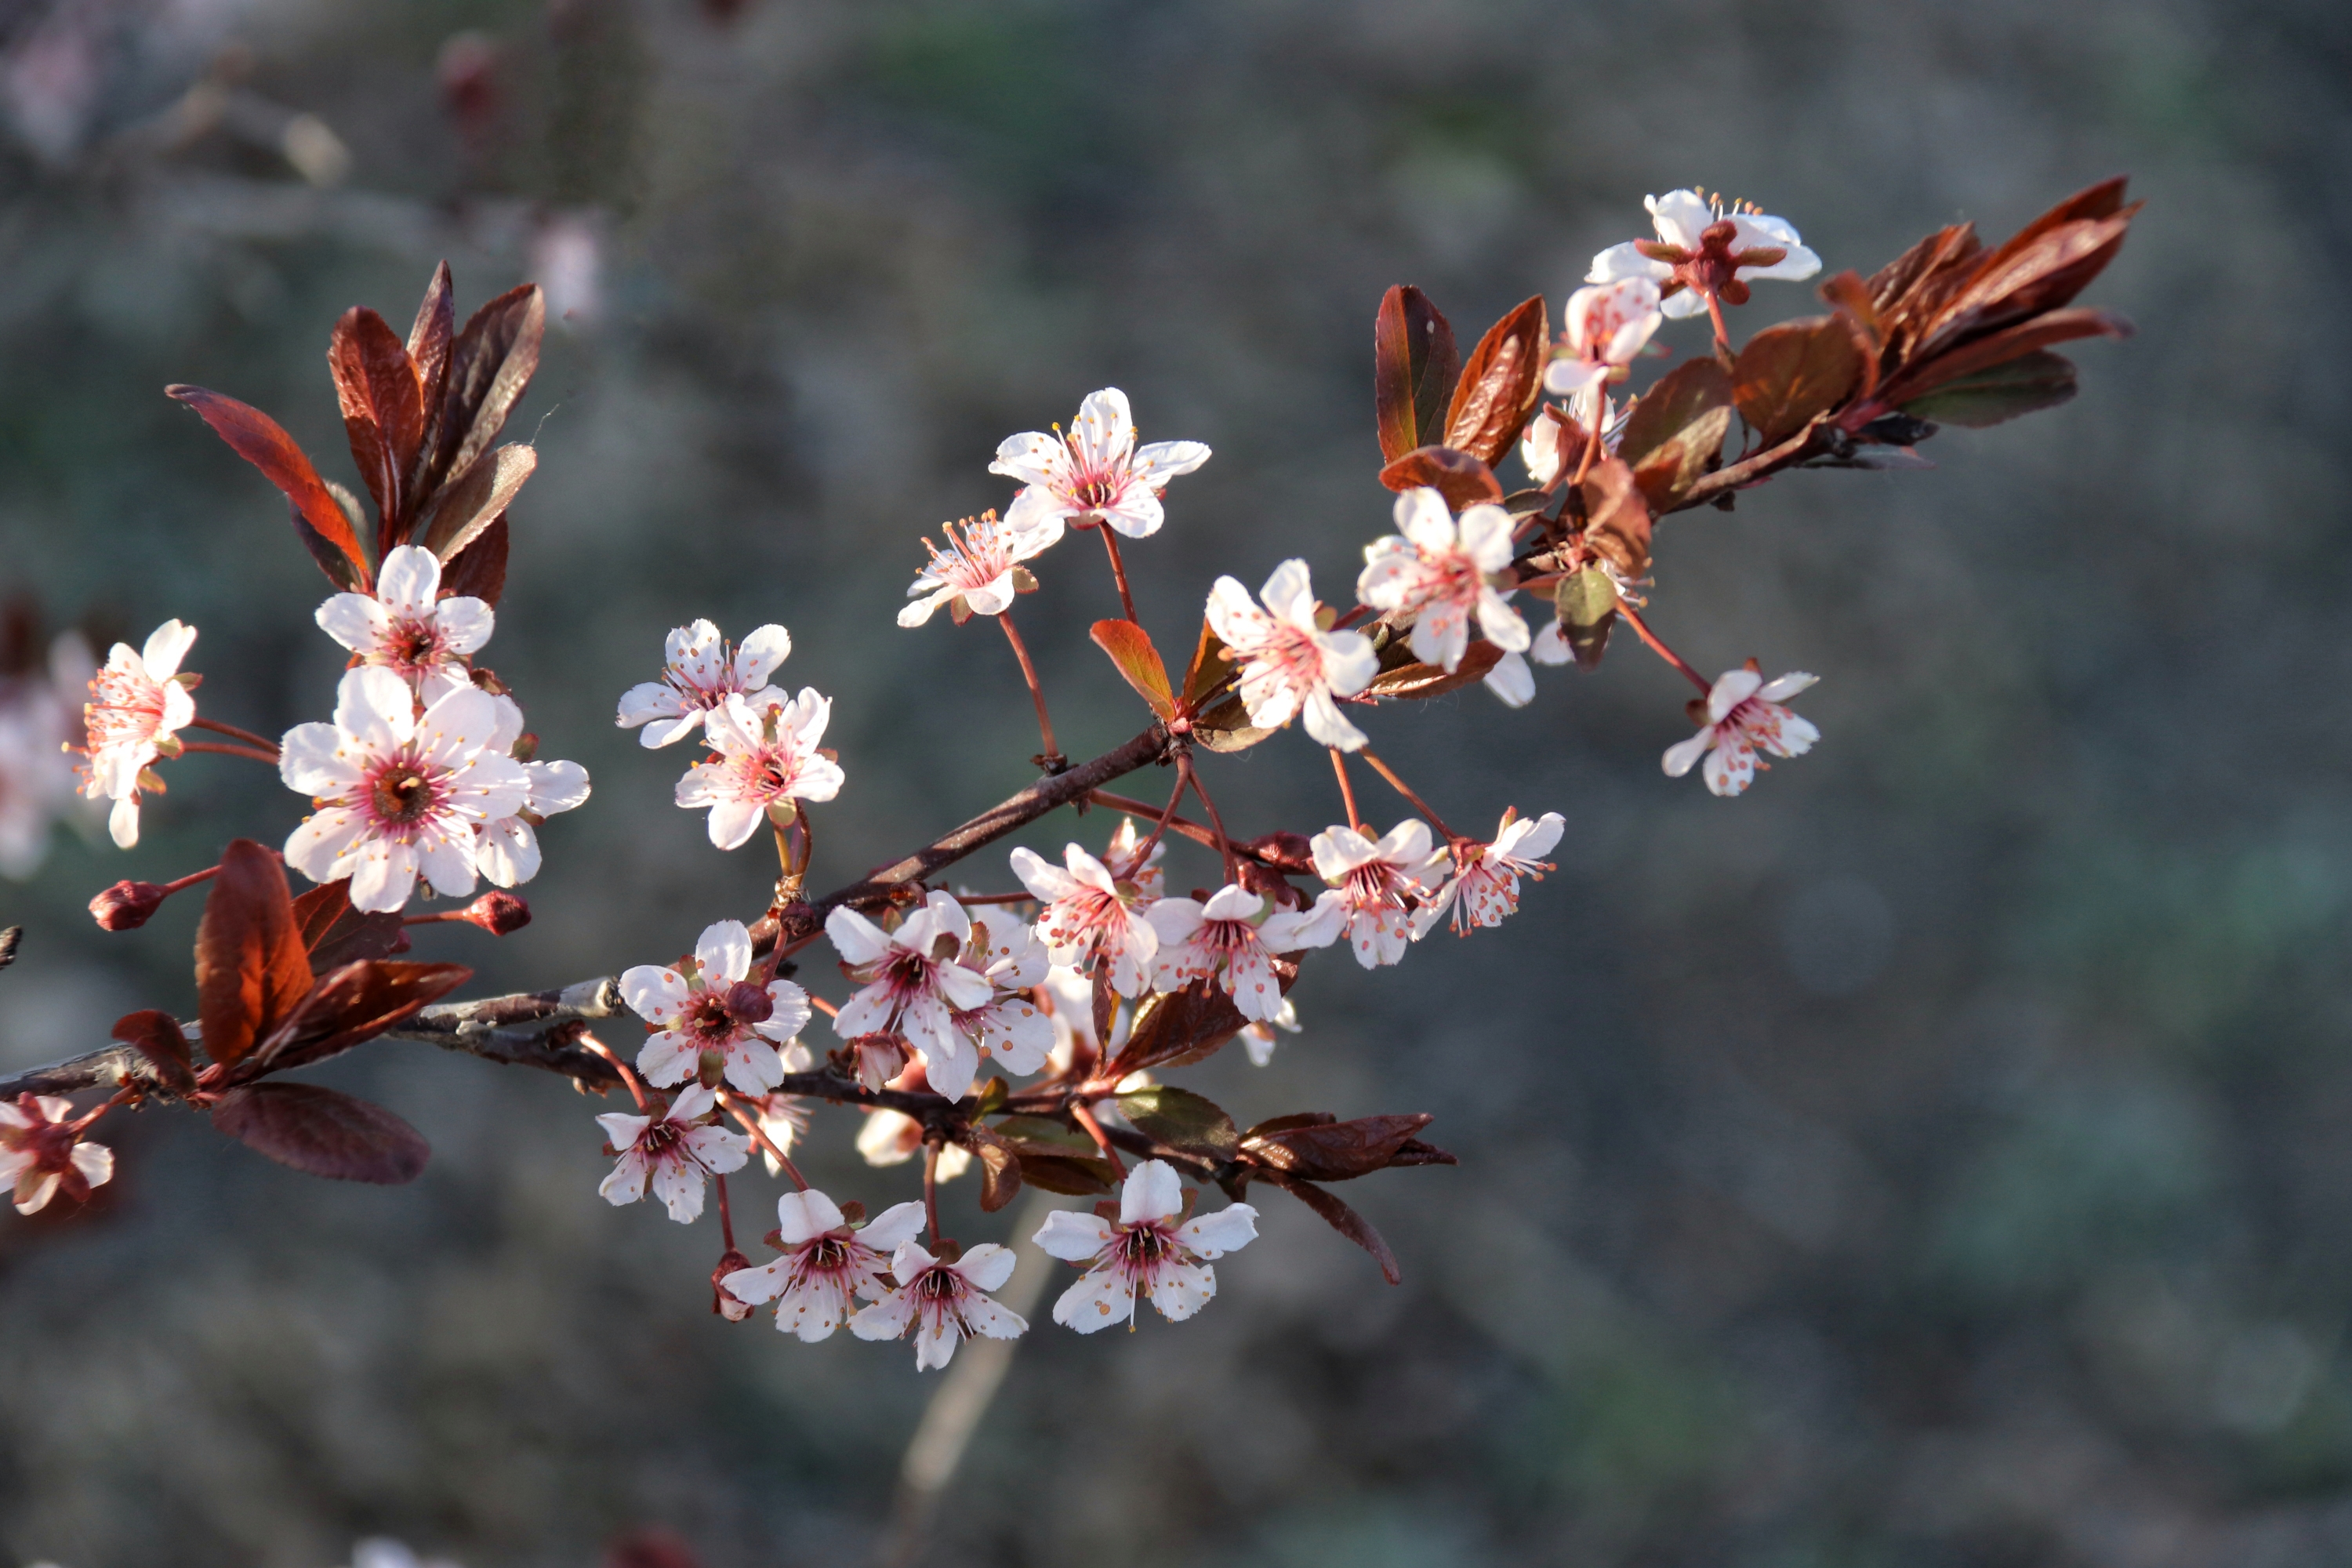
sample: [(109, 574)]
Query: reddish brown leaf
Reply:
[(156, 1036), (490, 367), (430, 340), (1207, 671), (322, 1132), (1071, 1175), (1667, 474), (383, 410), (1187, 1122), (251, 971), (1617, 518), (1921, 274), (1849, 300), (1172, 1027), (1412, 682), (1790, 373), (2038, 277), (1129, 646), (1461, 478), (1500, 384), (2091, 203), (335, 934), (256, 438), (1332, 1150), (1996, 348), (468, 504), (1226, 726), (1683, 395), (1339, 1217), (1414, 364), (480, 569), (351, 1004), (1000, 1167), (2023, 386)]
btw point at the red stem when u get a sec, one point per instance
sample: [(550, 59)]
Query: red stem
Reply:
[(931, 1194), (262, 742), (1225, 839), (1053, 753), (594, 1046), (270, 756), (1347, 790), (725, 1215), (1084, 1114), (1405, 790), (750, 1123), (1118, 570), (1641, 629)]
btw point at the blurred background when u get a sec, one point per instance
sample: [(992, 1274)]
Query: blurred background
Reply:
[(1937, 1156)]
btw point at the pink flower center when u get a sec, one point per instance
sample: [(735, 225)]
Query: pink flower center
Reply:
[(1138, 1252), (1446, 577), (404, 792), (976, 554), (937, 1287), (1095, 486), (1291, 656), (1221, 940), (415, 644), (1376, 885), (129, 709), (1085, 917)]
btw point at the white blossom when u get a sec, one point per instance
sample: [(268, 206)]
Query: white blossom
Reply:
[(399, 796), (1608, 325), (827, 1263), (405, 627), (701, 671), (715, 1008), (978, 571), (945, 1303), (1376, 883), (1232, 941), (1289, 664), (1485, 888), (1146, 1252), (507, 852), (1436, 575), (1744, 715), (1684, 220), (673, 1149), (1088, 916), (915, 982), (1094, 472), (40, 1154), (766, 755), (136, 711)]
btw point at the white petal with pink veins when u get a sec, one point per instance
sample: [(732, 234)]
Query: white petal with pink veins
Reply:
[(1034, 458), (1421, 516), (1137, 512), (1512, 681), (374, 706), (1159, 461), (446, 860), (1098, 1301), (655, 994), (1328, 726), (804, 1216), (1684, 755), (1680, 217), (354, 620), (1625, 261), (309, 760), (757, 656), (1104, 432), (466, 623), (1731, 688), (1074, 1235), (724, 951), (1180, 1289), (668, 1057), (1152, 1191), (893, 1227), (1781, 688), (732, 822), (314, 847), (167, 645), (383, 875), (679, 1184), (508, 852), (408, 581)]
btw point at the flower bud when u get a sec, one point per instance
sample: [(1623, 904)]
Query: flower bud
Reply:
[(127, 906), (723, 1301), (498, 913), (748, 1001)]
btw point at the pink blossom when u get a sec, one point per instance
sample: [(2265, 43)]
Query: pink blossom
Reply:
[(675, 1148), (766, 759), (1230, 939), (138, 706), (407, 629), (1134, 864), (1485, 888), (1144, 1252), (1010, 1028), (702, 671), (714, 1008), (399, 794), (1744, 715), (1088, 918), (508, 850), (1377, 884), (915, 982), (1436, 575), (945, 1303), (1608, 324), (1703, 246), (980, 571), (1290, 663), (1094, 472), (827, 1263), (41, 1155)]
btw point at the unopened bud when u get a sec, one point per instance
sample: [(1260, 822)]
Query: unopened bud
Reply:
[(127, 906), (723, 1301), (498, 913), (748, 1001)]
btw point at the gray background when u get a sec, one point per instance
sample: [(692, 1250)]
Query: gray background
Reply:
[(1937, 1157)]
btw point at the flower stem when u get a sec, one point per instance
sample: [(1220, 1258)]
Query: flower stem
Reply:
[(725, 1215), (1225, 839), (270, 756), (1722, 333), (1405, 790), (1167, 813), (1085, 1115), (1592, 442), (1117, 569), (591, 1044), (262, 742), (1641, 629), (750, 1123), (1347, 790), (932, 1193), (1052, 759)]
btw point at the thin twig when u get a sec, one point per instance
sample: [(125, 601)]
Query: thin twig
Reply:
[(1347, 790), (1641, 629), (1053, 754), (1117, 569), (1225, 839), (1405, 790), (270, 757), (261, 741)]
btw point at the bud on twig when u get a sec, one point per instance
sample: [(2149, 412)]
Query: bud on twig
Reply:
[(723, 1301), (498, 913), (127, 906)]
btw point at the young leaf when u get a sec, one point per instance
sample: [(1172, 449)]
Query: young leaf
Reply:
[(351, 1004), (1000, 1167), (1412, 682), (1182, 1120), (383, 410), (430, 340), (1339, 1217), (470, 503), (1072, 1175), (2038, 381), (156, 1036), (1684, 393), (480, 569), (1617, 519), (322, 1132), (251, 969), (1207, 670), (257, 439), (1998, 348), (1500, 384), (1788, 373), (2016, 284), (1667, 474), (335, 934), (1129, 646), (490, 366), (1586, 605), (1043, 1135), (1461, 478), (1175, 1026), (1332, 1150), (1414, 364)]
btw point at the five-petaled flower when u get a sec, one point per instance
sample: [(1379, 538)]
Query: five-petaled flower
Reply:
[(827, 1263), (1376, 883), (138, 704), (1436, 574), (507, 852), (980, 571), (1744, 714), (915, 982), (1232, 941), (399, 794), (1096, 472), (404, 627), (766, 756), (1089, 917), (1146, 1252), (944, 1302), (713, 1008), (701, 671), (1485, 888), (1290, 663), (673, 1147), (1608, 324), (41, 1155), (1705, 249), (1009, 1028)]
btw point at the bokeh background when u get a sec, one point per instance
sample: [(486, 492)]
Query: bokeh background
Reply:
[(1937, 1156)]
